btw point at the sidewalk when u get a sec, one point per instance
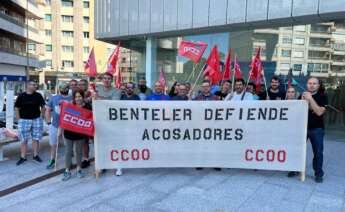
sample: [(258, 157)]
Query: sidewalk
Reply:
[(181, 189)]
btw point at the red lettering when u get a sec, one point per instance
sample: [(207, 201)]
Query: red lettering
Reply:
[(113, 155), (145, 153), (123, 155), (257, 155), (265, 155), (247, 155), (270, 155), (135, 154), (281, 156)]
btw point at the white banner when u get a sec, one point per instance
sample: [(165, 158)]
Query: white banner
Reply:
[(252, 134)]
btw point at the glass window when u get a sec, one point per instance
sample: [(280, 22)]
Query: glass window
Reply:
[(67, 48), (286, 53), (48, 63), (86, 49), (48, 32), (287, 40), (86, 19), (48, 17), (32, 47), (285, 66), (297, 67), (67, 3), (300, 28), (86, 34), (298, 54), (49, 47), (67, 63), (67, 34), (298, 41), (86, 4), (67, 18)]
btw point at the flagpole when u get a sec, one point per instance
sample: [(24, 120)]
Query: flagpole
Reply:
[(265, 83), (233, 80), (245, 89), (194, 67), (191, 91)]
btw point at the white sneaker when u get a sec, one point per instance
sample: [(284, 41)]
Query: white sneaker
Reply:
[(118, 172)]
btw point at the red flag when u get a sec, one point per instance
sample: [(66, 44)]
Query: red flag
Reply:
[(256, 72), (227, 66), (289, 77), (193, 51), (112, 61), (162, 78), (90, 67), (76, 119), (213, 66), (237, 69), (118, 80)]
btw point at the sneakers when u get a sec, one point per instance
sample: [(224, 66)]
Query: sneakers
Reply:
[(292, 174), (37, 159), (318, 179), (51, 164), (85, 164), (21, 161), (118, 172), (66, 175), (80, 174)]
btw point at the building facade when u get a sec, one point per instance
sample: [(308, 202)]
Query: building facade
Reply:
[(20, 40)]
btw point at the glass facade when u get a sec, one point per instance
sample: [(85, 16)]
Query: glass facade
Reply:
[(310, 50)]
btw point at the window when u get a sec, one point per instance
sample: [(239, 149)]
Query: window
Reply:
[(86, 34), (49, 48), (86, 20), (299, 41), (286, 53), (48, 63), (67, 63), (297, 67), (287, 40), (285, 66), (48, 32), (67, 48), (86, 49), (317, 67), (48, 2), (298, 54), (86, 4), (31, 47), (48, 17), (67, 3), (67, 18), (67, 34), (300, 28)]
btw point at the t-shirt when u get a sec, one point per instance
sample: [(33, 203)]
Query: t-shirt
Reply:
[(157, 97), (73, 135), (221, 95), (111, 94), (238, 97), (202, 97), (29, 105), (315, 121), (54, 105), (180, 98), (133, 97), (280, 95)]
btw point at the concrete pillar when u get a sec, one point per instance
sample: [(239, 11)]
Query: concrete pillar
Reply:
[(150, 61)]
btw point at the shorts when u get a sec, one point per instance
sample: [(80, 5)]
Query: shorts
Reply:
[(53, 135), (30, 129)]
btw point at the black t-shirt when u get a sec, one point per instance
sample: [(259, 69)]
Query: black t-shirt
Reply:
[(29, 105), (133, 97), (280, 95), (221, 95), (73, 135), (179, 98), (315, 121)]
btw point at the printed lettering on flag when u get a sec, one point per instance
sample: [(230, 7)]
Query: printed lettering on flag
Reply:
[(193, 51)]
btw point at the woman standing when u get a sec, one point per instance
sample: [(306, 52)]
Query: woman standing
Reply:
[(75, 139), (291, 94)]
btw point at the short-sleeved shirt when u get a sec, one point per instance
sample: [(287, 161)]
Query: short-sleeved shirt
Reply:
[(29, 105), (280, 95), (110, 94), (76, 136), (315, 121), (54, 105), (238, 97)]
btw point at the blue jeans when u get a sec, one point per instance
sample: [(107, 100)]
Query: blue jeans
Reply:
[(316, 139)]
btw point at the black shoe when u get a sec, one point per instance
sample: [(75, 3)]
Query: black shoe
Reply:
[(37, 158), (318, 179), (85, 164), (21, 161), (199, 168), (292, 174), (217, 169)]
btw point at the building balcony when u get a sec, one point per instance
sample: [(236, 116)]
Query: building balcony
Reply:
[(318, 34), (13, 57), (30, 7), (338, 63), (267, 31), (321, 48)]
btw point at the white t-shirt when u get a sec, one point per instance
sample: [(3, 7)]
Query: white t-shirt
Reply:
[(237, 97)]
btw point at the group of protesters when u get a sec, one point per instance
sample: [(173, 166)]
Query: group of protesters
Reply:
[(31, 109)]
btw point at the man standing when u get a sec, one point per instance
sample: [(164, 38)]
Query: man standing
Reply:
[(129, 94), (158, 95), (73, 85), (143, 91), (274, 93), (29, 107), (239, 94), (106, 91), (182, 93), (317, 101), (225, 90), (52, 118)]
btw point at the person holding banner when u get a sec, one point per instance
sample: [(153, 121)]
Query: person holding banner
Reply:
[(106, 91), (143, 91), (273, 92), (29, 107), (238, 94), (291, 94), (73, 86), (317, 100), (225, 90), (158, 95), (182, 93), (75, 139), (52, 116), (251, 88), (129, 92)]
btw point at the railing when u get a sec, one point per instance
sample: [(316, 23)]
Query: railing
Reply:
[(16, 52), (12, 20)]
